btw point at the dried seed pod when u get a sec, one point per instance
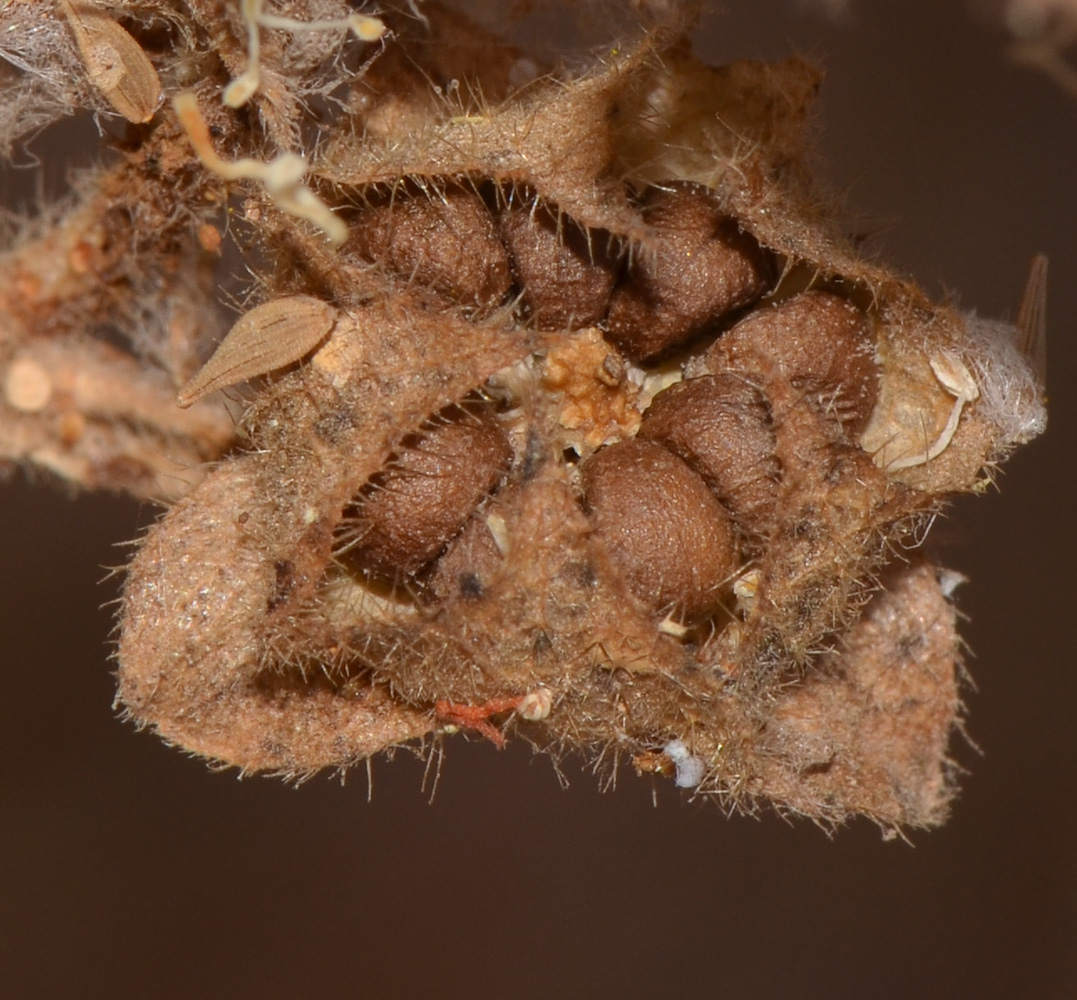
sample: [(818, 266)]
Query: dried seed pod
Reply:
[(446, 240), (271, 336), (720, 426), (408, 512), (817, 341), (662, 526), (565, 274), (115, 62), (701, 267)]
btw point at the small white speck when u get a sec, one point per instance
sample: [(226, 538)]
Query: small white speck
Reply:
[(690, 769)]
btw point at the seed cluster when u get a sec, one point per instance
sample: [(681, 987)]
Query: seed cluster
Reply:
[(676, 510)]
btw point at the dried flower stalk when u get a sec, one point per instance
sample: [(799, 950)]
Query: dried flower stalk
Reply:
[(588, 426)]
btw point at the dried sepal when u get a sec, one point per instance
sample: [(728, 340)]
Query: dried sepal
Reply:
[(270, 336), (115, 62)]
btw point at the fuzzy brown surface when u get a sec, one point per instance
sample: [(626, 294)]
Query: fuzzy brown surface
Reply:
[(699, 267), (720, 425), (668, 533)]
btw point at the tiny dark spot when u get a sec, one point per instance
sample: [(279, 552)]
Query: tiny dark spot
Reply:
[(331, 426), (534, 453), (283, 585), (470, 585), (582, 574)]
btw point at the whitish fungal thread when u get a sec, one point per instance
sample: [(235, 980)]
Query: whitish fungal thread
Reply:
[(281, 176), (269, 337), (245, 86), (115, 62)]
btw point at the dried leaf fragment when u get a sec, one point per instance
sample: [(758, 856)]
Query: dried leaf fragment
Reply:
[(271, 336), (115, 62)]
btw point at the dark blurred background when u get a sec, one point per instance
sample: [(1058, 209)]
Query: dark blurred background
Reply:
[(127, 868)]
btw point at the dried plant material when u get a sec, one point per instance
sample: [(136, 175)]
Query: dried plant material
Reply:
[(566, 274), (817, 342), (115, 62), (955, 379), (599, 402), (281, 176), (1032, 319), (441, 239), (244, 86), (536, 705), (92, 415), (27, 385), (671, 540), (699, 267), (271, 336), (588, 426), (720, 426), (406, 515)]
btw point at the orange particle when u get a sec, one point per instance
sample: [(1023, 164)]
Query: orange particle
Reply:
[(209, 238), (80, 257), (72, 426), (29, 285)]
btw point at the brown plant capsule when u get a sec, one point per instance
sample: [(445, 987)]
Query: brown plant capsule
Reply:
[(701, 267), (565, 274), (720, 426), (820, 343), (662, 526), (115, 62), (271, 336), (446, 240), (408, 512)]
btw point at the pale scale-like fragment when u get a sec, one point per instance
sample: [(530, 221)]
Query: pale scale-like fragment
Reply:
[(271, 336)]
